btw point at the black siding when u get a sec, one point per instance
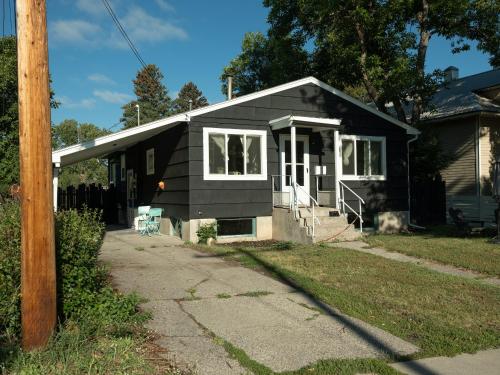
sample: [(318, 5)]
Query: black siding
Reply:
[(225, 199)]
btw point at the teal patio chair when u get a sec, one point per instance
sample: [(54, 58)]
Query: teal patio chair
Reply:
[(153, 222), (143, 212)]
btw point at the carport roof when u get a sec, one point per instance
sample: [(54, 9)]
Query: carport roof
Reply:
[(107, 144)]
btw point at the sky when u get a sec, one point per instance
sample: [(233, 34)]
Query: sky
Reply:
[(92, 67)]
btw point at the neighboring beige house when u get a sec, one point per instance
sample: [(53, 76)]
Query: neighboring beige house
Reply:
[(465, 113)]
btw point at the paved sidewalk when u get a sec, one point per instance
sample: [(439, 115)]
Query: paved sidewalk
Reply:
[(450, 270), (194, 296), (486, 362)]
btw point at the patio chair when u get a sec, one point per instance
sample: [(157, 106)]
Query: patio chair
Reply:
[(143, 212), (153, 222)]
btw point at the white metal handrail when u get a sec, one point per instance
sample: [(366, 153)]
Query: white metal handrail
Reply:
[(312, 201), (344, 204)]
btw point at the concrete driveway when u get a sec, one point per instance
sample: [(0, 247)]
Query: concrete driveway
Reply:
[(195, 297)]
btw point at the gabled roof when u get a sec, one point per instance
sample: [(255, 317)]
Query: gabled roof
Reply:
[(109, 143), (465, 95)]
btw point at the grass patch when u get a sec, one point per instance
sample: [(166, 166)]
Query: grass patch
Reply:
[(139, 248), (443, 245), (442, 314), (89, 347), (255, 293), (223, 296), (329, 367)]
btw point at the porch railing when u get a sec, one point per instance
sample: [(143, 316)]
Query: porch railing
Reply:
[(325, 190), (309, 207), (290, 198), (281, 198), (344, 204)]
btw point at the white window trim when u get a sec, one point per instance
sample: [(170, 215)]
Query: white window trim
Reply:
[(355, 177), (225, 177), (150, 169)]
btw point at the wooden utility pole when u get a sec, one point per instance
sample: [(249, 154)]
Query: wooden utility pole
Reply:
[(38, 269)]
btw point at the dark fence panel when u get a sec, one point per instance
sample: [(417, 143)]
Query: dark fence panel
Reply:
[(92, 196), (428, 201)]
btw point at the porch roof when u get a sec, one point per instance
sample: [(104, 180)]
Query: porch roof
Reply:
[(315, 123)]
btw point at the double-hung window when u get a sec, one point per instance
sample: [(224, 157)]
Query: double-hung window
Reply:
[(363, 157), (233, 154)]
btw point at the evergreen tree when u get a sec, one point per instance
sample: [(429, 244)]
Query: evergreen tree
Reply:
[(189, 92), (152, 98)]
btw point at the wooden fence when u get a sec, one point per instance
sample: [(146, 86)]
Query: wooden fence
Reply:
[(91, 196), (428, 201)]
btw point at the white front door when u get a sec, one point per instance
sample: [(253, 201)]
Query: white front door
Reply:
[(302, 166)]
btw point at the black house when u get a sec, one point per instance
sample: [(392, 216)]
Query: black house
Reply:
[(297, 161)]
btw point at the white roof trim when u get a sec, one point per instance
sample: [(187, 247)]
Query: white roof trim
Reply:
[(185, 117), (312, 122)]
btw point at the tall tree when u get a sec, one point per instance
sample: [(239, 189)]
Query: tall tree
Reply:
[(9, 124), (189, 92), (94, 170), (265, 61), (152, 98), (383, 44)]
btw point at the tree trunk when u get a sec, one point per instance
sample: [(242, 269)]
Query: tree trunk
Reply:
[(424, 35)]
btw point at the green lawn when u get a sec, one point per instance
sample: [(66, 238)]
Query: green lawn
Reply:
[(442, 245), (443, 315)]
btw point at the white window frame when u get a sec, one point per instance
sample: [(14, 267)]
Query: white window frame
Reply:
[(150, 169), (227, 177), (355, 177)]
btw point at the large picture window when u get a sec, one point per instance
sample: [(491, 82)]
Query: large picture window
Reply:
[(233, 154), (363, 157)]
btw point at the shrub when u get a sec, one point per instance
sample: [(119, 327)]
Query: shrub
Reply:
[(10, 268), (206, 231), (83, 289)]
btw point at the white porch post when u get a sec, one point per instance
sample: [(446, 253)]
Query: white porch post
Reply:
[(337, 147), (294, 153), (55, 182)]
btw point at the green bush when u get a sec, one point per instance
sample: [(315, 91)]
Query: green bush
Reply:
[(83, 289), (206, 231), (10, 269)]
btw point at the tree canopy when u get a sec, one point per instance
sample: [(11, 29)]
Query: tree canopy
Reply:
[(152, 98), (380, 46), (9, 118), (94, 170), (189, 92), (265, 62)]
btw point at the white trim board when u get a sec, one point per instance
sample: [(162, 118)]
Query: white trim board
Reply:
[(97, 147), (262, 134)]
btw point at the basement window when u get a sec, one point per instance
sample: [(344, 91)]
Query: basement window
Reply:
[(236, 227)]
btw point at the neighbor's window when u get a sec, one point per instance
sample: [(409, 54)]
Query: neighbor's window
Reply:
[(150, 161), (363, 157), (232, 154)]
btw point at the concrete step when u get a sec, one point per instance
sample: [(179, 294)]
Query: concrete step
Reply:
[(339, 234), (318, 211), (326, 221)]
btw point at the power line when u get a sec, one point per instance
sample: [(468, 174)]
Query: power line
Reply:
[(123, 32)]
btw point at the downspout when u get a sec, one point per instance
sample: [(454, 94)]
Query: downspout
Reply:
[(409, 190)]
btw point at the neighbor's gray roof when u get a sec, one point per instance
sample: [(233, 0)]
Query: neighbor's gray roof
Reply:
[(464, 96)]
